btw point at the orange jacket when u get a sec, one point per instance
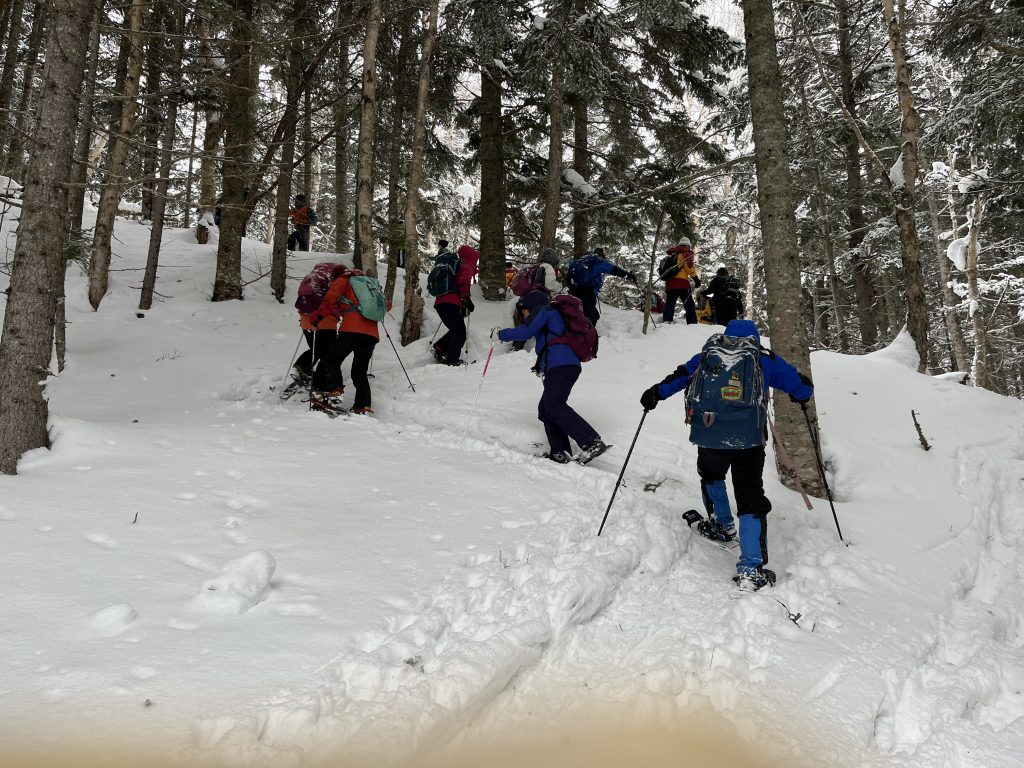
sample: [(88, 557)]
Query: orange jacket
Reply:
[(327, 323), (300, 216), (351, 320)]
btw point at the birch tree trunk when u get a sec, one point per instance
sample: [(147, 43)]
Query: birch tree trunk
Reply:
[(110, 195), (492, 184), (38, 269), (159, 205), (364, 258), (981, 367), (412, 320), (958, 347), (778, 231), (903, 194)]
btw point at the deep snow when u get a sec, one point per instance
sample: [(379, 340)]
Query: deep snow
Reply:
[(200, 568)]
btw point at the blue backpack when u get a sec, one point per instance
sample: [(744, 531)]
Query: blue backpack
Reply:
[(579, 273), (441, 279), (726, 401)]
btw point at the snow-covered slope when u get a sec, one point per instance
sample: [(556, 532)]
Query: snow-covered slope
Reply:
[(201, 567)]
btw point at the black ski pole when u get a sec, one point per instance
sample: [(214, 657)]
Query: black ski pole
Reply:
[(384, 326), (291, 362), (821, 469), (619, 481), (313, 366)]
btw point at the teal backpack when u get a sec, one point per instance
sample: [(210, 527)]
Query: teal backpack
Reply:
[(441, 279), (370, 300)]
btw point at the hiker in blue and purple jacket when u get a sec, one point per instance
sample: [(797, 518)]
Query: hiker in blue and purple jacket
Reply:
[(560, 367)]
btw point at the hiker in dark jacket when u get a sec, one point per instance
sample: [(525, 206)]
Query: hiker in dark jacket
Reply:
[(599, 267), (746, 463), (560, 367), (724, 294), (454, 307)]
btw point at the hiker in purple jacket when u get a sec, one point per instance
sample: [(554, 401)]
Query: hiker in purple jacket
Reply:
[(560, 367)]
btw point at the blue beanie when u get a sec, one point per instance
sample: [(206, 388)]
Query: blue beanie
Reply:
[(533, 301)]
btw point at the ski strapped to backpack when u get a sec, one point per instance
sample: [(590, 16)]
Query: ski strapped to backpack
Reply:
[(370, 300), (726, 400), (580, 334), (442, 278), (314, 286)]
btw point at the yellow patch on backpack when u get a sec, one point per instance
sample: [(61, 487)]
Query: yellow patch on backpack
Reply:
[(733, 391)]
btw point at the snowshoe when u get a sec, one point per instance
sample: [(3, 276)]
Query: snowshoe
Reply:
[(711, 529), (752, 579), (696, 521), (591, 452), (299, 383), (325, 405), (559, 457)]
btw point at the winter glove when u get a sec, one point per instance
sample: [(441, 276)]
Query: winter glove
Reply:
[(315, 318), (799, 400), (650, 398), (804, 379), (502, 335), (631, 276), (468, 304)]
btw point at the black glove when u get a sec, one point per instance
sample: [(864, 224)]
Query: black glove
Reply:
[(631, 276), (650, 398), (468, 304), (798, 400)]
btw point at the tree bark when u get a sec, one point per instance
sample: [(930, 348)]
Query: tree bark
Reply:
[(38, 269), (213, 128), (981, 363), (778, 230), (396, 231), (581, 163), (110, 195), (155, 62), (903, 194), (159, 205), (239, 134), (492, 185), (15, 160), (863, 284), (342, 137), (76, 194), (10, 68), (553, 185), (958, 347), (285, 170), (364, 253), (412, 320)]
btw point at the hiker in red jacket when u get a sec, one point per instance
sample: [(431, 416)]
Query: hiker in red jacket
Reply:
[(454, 307)]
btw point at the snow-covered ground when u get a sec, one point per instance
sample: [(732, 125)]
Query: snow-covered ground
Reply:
[(199, 568)]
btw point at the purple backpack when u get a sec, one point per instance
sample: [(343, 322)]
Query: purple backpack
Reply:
[(528, 279), (314, 286), (580, 334)]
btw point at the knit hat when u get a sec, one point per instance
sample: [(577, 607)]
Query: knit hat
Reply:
[(550, 256), (722, 271), (300, 198), (685, 241), (533, 301)]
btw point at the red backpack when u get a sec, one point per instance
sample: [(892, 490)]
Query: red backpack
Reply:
[(580, 334), (314, 286)]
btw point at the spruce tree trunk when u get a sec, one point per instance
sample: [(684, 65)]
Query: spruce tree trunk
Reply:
[(76, 195), (396, 230), (186, 208), (903, 194), (364, 253), (412, 320), (151, 118), (15, 160), (239, 134), (38, 269), (289, 121), (110, 195), (553, 184), (492, 186), (11, 63), (342, 137), (863, 283), (581, 163), (778, 231), (213, 129), (159, 205)]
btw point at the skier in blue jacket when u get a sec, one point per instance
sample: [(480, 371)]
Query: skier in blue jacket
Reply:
[(560, 367), (744, 454)]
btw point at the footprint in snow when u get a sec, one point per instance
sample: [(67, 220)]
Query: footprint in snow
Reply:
[(240, 585), (112, 620), (102, 541)]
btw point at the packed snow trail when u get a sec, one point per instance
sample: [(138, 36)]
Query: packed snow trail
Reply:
[(391, 585)]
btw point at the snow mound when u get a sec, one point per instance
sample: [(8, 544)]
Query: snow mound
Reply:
[(241, 584), (956, 252), (112, 620), (901, 352)]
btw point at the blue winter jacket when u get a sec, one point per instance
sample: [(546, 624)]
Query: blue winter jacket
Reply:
[(777, 372), (544, 324)]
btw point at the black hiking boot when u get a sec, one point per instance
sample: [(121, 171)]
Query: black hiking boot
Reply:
[(559, 457), (591, 452), (752, 579), (710, 529)]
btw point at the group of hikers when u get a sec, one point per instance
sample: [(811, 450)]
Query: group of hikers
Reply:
[(726, 383)]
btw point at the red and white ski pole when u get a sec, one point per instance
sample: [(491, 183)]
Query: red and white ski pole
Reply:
[(481, 386)]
